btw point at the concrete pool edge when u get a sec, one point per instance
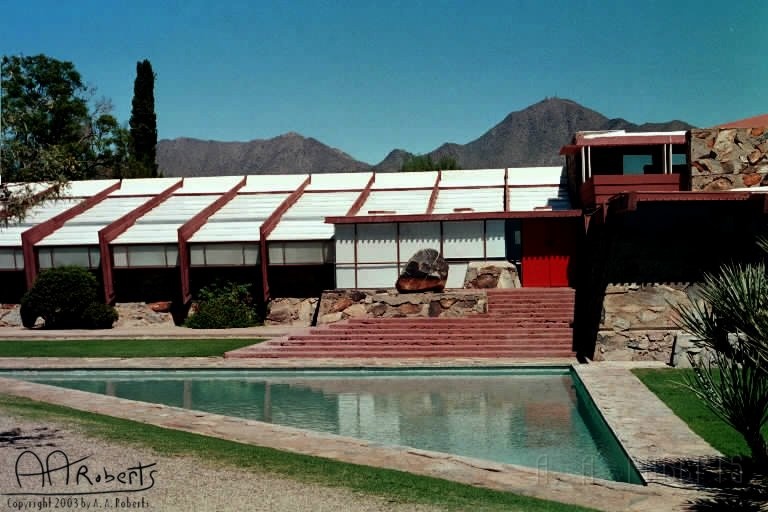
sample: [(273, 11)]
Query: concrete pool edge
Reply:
[(562, 487)]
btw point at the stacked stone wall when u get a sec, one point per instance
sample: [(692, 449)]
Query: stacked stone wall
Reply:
[(723, 159)]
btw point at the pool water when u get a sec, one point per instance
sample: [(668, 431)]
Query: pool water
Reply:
[(537, 417)]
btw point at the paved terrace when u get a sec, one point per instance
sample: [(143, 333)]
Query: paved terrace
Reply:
[(646, 427)]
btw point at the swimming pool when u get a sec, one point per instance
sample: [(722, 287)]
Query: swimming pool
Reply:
[(537, 417)]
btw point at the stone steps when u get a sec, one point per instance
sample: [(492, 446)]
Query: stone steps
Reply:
[(520, 323)]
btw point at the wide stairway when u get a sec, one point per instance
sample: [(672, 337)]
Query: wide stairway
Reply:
[(520, 323)]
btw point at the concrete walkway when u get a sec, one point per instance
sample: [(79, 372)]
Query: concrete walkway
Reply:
[(154, 332)]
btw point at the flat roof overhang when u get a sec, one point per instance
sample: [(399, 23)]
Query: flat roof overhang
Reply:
[(622, 140), (374, 219), (628, 202)]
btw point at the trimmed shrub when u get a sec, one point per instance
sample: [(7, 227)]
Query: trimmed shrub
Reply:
[(61, 297), (99, 316), (223, 306)]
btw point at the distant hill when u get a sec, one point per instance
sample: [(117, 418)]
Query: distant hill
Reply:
[(529, 137)]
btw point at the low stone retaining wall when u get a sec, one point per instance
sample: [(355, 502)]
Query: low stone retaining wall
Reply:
[(337, 305), (638, 322), (291, 311)]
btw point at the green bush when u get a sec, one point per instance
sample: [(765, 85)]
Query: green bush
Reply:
[(223, 306), (99, 316), (61, 296)]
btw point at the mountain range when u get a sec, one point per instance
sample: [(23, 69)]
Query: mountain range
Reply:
[(529, 137)]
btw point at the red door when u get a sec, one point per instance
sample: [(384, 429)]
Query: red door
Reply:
[(547, 246)]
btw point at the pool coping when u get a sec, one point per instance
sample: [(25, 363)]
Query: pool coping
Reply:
[(567, 488)]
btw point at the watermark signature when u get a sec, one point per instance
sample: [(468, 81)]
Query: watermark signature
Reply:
[(56, 480)]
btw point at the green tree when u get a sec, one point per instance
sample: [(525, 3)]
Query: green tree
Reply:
[(52, 129), (425, 163), (730, 321), (144, 121)]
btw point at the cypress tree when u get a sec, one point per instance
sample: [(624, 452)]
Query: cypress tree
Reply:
[(144, 121)]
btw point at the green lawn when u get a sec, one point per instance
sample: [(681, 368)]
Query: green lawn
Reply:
[(397, 486), (668, 385), (121, 348)]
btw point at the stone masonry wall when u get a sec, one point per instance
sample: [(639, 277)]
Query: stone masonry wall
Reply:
[(291, 311), (638, 322), (337, 305), (722, 159)]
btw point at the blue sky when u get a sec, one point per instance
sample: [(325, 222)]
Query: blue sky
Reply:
[(367, 77)]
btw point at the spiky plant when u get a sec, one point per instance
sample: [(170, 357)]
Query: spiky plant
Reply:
[(730, 322)]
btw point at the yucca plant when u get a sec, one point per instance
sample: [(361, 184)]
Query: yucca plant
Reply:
[(730, 321)]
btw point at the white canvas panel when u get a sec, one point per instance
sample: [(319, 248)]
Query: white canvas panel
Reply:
[(143, 186), (415, 236), (208, 184), (534, 175), (273, 182), (536, 198), (470, 200), (472, 178), (120, 256), (376, 243), (345, 243), (463, 239), (401, 202), (84, 228), (345, 276), (405, 180), (376, 276), (495, 239), (339, 181), (457, 270), (87, 188), (10, 235)]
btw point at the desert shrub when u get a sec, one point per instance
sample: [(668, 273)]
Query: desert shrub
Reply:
[(99, 316), (61, 297), (223, 306)]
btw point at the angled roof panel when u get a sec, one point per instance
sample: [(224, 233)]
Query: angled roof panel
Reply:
[(473, 178), (84, 229), (396, 202), (160, 225), (10, 236), (143, 186), (339, 181), (208, 185), (538, 198), (470, 200), (534, 176), (240, 219), (273, 183), (404, 180), (87, 188), (305, 220)]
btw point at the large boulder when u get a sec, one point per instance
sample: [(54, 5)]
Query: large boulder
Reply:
[(426, 271)]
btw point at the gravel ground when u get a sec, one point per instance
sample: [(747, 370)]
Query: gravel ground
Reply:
[(178, 483)]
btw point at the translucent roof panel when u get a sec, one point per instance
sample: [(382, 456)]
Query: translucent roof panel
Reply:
[(339, 181), (458, 200), (273, 182), (534, 176), (160, 225), (87, 188), (305, 220), (405, 180), (208, 185), (474, 178), (10, 236), (535, 198), (399, 202), (84, 229), (144, 186), (240, 219)]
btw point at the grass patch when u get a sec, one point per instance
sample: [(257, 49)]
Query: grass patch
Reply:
[(395, 485), (121, 348), (668, 385)]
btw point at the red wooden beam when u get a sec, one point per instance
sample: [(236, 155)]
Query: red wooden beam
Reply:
[(33, 235), (269, 225), (360, 201), (191, 227), (118, 227), (434, 194)]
